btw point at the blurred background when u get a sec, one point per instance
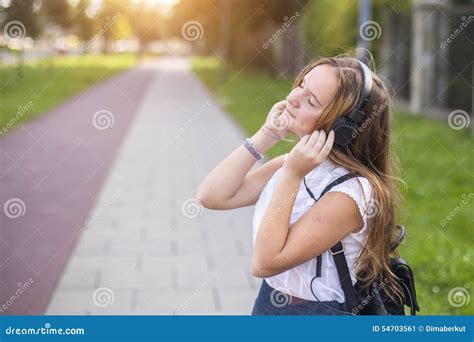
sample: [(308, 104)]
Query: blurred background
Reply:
[(113, 111)]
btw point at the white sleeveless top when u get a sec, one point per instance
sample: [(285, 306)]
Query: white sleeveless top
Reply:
[(296, 281)]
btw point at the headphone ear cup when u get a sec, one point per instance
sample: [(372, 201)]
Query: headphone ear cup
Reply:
[(344, 131)]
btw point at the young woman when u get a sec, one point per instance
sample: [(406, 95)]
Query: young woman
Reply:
[(291, 229)]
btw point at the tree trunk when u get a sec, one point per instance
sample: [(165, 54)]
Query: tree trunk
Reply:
[(294, 56)]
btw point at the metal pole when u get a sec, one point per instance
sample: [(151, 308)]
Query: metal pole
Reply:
[(365, 14)]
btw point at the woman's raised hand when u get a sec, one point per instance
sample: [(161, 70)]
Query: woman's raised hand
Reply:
[(308, 153), (277, 122)]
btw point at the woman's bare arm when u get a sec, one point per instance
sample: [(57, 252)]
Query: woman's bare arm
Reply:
[(230, 184)]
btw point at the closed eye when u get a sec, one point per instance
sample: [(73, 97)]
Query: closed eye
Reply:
[(309, 97)]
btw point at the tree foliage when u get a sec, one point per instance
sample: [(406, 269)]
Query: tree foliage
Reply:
[(146, 23), (84, 26), (57, 12), (23, 11)]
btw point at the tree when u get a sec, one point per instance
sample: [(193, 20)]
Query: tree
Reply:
[(238, 29), (57, 12), (200, 17), (21, 21), (146, 23), (22, 11), (331, 26), (84, 25), (287, 17), (113, 22)]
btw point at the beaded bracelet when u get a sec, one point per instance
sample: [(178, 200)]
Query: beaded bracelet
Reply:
[(251, 148)]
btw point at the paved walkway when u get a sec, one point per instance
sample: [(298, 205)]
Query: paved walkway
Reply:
[(51, 171), (147, 247)]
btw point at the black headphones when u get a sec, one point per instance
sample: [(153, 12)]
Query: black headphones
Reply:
[(345, 128)]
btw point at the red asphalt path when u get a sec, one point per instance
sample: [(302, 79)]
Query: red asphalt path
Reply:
[(51, 171)]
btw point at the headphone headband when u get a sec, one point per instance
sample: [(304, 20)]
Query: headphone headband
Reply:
[(345, 127), (358, 113)]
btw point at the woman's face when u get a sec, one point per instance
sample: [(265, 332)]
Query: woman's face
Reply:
[(306, 103)]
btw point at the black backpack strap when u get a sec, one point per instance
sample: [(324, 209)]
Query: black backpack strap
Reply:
[(338, 181), (337, 252), (335, 182), (344, 275)]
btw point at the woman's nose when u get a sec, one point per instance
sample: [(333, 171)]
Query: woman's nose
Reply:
[(292, 98)]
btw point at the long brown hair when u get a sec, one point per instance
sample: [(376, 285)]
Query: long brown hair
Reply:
[(371, 157)]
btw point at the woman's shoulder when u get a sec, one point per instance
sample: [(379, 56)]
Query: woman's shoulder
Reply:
[(358, 189)]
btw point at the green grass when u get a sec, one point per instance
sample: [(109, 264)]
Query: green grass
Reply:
[(47, 83), (437, 165)]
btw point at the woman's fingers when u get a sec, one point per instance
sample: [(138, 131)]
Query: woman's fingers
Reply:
[(328, 145), (312, 139), (304, 140), (319, 142)]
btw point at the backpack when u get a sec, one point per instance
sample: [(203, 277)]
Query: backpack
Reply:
[(371, 300)]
